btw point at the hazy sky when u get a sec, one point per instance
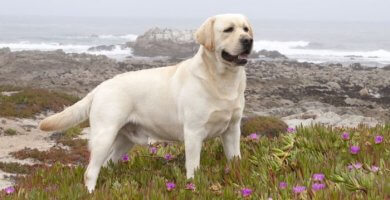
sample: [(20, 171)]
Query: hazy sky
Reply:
[(355, 10)]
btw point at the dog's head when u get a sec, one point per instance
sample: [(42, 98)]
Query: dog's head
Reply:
[(229, 36)]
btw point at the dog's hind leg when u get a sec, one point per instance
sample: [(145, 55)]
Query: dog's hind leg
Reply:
[(120, 147), (100, 143)]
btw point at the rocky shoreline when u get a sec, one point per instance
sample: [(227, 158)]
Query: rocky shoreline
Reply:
[(277, 87)]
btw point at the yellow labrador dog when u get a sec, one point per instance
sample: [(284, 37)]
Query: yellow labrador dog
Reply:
[(199, 98)]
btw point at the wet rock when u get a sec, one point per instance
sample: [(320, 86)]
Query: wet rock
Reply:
[(102, 48)]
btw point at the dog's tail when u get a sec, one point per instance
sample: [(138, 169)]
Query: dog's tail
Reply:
[(71, 116)]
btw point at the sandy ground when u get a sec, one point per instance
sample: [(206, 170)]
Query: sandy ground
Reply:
[(27, 136)]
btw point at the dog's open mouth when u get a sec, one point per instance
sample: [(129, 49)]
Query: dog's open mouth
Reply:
[(240, 59)]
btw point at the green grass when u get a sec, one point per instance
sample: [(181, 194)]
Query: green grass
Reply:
[(30, 101), (291, 158)]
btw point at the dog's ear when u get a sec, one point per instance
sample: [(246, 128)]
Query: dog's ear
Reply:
[(205, 34)]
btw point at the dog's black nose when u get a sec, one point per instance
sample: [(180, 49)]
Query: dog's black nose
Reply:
[(247, 42)]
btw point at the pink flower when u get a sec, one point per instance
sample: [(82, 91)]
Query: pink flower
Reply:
[(378, 139), (345, 136), (350, 167), (357, 165), (291, 129), (253, 136), (125, 158), (153, 150), (170, 186), (318, 177), (9, 190), (298, 189), (190, 186), (354, 149), (318, 186), (227, 170), (168, 156), (282, 185), (246, 192), (374, 168)]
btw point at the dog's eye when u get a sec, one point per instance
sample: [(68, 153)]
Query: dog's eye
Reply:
[(228, 30), (246, 29)]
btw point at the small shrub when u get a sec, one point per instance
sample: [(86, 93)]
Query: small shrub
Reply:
[(10, 132), (269, 126)]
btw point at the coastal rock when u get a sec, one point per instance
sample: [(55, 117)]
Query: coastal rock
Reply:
[(278, 88), (312, 117), (102, 48), (267, 54), (166, 42)]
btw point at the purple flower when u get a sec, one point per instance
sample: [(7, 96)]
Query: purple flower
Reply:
[(253, 136), (318, 186), (9, 190), (246, 192), (153, 150), (170, 186), (227, 170), (354, 149), (190, 186), (350, 167), (357, 165), (168, 156), (291, 130), (318, 177), (125, 158), (345, 136), (299, 189), (378, 139), (374, 168), (282, 185)]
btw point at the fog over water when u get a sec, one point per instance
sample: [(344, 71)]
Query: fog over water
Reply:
[(307, 30)]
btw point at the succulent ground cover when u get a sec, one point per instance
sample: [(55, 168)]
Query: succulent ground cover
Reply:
[(307, 163)]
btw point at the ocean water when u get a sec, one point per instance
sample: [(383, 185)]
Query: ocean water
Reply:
[(311, 41)]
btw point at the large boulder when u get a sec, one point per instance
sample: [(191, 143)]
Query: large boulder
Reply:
[(166, 42)]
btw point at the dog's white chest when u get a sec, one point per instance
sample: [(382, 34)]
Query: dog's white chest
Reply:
[(219, 120)]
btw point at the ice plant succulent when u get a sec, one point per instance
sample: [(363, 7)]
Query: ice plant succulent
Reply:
[(253, 136), (125, 158), (317, 186), (9, 190), (345, 136), (168, 156), (190, 186), (354, 149), (282, 185), (299, 189), (374, 168), (318, 177), (378, 139), (291, 129), (170, 186), (246, 192), (153, 150)]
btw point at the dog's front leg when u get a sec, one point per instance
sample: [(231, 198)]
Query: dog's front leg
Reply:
[(231, 141), (193, 140)]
